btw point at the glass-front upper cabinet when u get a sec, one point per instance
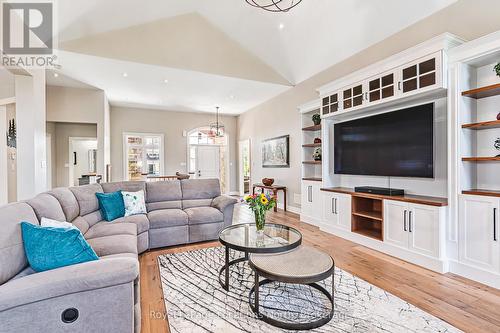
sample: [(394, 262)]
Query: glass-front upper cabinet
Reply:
[(421, 74), (353, 96), (330, 104), (381, 87)]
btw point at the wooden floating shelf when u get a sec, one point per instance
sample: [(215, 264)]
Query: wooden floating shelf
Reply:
[(483, 125), (483, 92), (375, 234), (311, 162), (481, 159), (370, 215), (487, 193), (311, 145), (312, 128), (313, 179)]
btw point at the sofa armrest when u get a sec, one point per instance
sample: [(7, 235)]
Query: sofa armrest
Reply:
[(87, 276), (223, 201)]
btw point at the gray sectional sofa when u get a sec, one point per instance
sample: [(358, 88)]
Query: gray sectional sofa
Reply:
[(104, 293)]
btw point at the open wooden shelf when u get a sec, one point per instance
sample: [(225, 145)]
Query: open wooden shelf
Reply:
[(311, 162), (313, 179), (487, 193), (312, 128), (481, 159), (483, 125), (367, 217), (483, 92), (370, 215), (372, 233), (311, 145)]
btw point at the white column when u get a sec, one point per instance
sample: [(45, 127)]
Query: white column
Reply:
[(3, 156), (31, 148)]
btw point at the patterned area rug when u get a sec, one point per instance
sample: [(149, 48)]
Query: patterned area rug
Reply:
[(196, 302)]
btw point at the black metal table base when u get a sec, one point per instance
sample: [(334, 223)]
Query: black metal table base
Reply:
[(289, 325), (226, 268)]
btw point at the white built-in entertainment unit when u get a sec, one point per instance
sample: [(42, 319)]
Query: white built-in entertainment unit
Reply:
[(446, 223)]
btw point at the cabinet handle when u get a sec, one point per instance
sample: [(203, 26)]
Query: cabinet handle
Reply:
[(409, 221), (404, 221), (495, 224), (309, 193), (336, 206), (333, 205)]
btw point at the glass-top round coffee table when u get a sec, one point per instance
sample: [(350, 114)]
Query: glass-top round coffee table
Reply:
[(275, 238)]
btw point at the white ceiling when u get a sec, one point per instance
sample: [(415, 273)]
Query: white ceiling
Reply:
[(316, 34)]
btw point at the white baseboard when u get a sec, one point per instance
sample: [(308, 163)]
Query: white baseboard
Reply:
[(476, 274), (291, 209)]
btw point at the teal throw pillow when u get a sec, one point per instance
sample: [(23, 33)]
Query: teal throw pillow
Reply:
[(49, 248), (111, 205)]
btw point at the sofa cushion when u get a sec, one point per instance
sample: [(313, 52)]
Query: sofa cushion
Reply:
[(12, 257), (45, 205), (87, 200), (111, 205), (49, 248), (165, 218), (115, 244), (68, 202), (200, 189), (129, 186), (141, 220), (200, 215), (163, 195), (104, 228)]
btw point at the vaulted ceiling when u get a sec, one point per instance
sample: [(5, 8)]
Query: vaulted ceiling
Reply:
[(217, 52)]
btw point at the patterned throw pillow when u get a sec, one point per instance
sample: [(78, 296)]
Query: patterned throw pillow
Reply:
[(134, 203)]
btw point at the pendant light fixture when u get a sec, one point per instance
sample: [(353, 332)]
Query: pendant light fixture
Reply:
[(217, 128), (276, 6)]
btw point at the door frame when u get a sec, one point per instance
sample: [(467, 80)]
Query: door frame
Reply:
[(124, 151), (241, 179), (227, 156), (70, 153)]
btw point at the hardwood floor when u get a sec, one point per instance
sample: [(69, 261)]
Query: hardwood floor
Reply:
[(468, 305)]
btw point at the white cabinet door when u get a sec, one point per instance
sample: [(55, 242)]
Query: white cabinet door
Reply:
[(421, 75), (317, 202), (423, 228), (395, 223), (331, 104), (344, 211), (478, 230), (381, 88), (354, 96), (307, 198), (330, 217)]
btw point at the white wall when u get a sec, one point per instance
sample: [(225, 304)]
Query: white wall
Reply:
[(31, 149), (3, 156)]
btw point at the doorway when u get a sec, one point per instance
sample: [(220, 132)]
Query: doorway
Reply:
[(208, 156), (245, 167), (82, 158)]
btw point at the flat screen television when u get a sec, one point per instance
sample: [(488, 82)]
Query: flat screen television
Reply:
[(399, 144)]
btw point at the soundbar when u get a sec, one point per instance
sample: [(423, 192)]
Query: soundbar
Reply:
[(379, 190)]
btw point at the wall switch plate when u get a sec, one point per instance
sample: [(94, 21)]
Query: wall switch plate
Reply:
[(43, 164)]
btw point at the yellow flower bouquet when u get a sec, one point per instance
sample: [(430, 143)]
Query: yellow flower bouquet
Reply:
[(260, 204)]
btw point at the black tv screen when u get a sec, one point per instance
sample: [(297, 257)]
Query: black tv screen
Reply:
[(398, 143)]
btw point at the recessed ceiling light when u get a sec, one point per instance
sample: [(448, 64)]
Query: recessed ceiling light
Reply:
[(125, 74), (165, 81), (56, 75), (281, 26), (232, 96)]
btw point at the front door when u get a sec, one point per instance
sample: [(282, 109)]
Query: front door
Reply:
[(207, 162)]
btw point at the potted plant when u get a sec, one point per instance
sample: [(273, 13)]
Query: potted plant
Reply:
[(260, 204), (317, 154), (497, 69), (316, 118)]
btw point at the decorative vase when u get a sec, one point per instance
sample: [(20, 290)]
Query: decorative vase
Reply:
[(260, 220), (318, 140), (268, 181)]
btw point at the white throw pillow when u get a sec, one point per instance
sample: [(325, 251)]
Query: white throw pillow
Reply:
[(56, 224), (134, 203)]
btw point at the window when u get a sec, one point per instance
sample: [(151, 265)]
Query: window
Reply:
[(143, 155)]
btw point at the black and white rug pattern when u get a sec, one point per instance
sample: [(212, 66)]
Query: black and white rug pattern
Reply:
[(196, 302)]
